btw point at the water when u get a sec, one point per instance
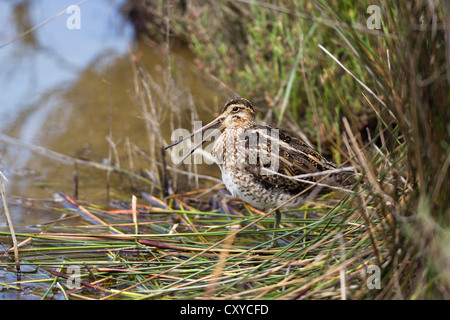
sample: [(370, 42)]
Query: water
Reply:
[(68, 90)]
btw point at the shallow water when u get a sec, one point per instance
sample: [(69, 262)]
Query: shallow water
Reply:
[(68, 90)]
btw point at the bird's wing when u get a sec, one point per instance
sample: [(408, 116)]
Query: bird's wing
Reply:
[(281, 156)]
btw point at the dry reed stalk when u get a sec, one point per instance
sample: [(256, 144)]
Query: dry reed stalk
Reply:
[(9, 220), (216, 274)]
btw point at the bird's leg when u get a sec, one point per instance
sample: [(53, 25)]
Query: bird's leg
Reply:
[(276, 224)]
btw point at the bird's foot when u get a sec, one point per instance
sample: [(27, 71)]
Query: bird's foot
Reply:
[(272, 244)]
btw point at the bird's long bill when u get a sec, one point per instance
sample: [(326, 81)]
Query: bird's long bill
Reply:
[(209, 125)]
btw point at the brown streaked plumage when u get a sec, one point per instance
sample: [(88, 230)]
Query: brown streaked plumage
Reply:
[(258, 162)]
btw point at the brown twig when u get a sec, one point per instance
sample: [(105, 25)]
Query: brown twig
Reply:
[(86, 213), (8, 219), (218, 270), (161, 245)]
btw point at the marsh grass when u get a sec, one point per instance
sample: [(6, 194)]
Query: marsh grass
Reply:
[(167, 260)]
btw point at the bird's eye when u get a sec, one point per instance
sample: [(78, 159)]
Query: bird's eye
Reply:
[(235, 109)]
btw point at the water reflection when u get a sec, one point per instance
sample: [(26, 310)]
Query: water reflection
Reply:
[(68, 90)]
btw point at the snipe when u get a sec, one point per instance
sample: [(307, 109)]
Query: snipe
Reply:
[(264, 166)]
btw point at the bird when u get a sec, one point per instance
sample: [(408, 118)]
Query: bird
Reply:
[(266, 167)]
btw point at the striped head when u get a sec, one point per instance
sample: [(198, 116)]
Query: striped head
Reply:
[(237, 113)]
